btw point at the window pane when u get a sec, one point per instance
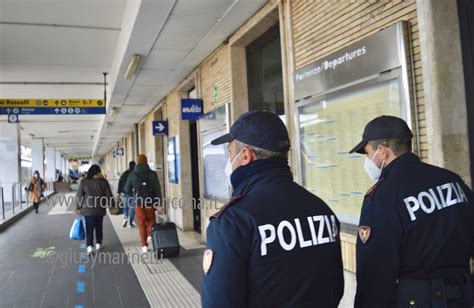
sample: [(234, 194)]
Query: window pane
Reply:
[(265, 79)]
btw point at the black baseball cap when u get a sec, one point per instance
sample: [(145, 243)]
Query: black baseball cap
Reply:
[(384, 127), (261, 129)]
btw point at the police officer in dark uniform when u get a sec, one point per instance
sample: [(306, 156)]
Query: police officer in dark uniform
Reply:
[(416, 229), (274, 244)]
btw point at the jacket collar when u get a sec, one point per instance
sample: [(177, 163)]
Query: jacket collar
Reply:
[(400, 161), (141, 168), (273, 170)]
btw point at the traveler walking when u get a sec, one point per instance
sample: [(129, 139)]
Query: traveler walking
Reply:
[(36, 188), (93, 197), (143, 184), (129, 206)]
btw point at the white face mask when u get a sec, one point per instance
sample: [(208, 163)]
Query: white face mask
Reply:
[(229, 169), (371, 168)]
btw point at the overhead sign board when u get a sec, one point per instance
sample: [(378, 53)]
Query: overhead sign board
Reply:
[(372, 55), (119, 152), (13, 118), (160, 128), (71, 156), (191, 108), (54, 106)]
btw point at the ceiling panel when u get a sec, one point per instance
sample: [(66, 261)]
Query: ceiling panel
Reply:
[(56, 46), (207, 8), (92, 13), (124, 110), (136, 100), (152, 77), (142, 91), (164, 59), (183, 32)]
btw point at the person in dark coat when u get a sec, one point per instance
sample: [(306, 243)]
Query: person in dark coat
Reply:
[(416, 229), (274, 244), (93, 197), (129, 208), (36, 189)]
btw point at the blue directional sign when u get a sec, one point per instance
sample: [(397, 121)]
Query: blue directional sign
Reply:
[(52, 106), (191, 109), (13, 118), (160, 128), (52, 111)]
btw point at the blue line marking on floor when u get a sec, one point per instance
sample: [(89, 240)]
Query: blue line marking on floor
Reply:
[(83, 245), (79, 306), (83, 255), (81, 287), (82, 268)]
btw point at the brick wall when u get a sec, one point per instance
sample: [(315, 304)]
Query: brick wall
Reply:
[(215, 71), (322, 27)]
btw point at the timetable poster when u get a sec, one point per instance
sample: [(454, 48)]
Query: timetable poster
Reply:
[(329, 129)]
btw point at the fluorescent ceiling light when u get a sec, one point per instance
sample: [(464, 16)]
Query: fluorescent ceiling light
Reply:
[(132, 66)]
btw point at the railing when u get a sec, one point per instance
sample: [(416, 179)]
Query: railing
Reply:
[(3, 203), (49, 185), (13, 196)]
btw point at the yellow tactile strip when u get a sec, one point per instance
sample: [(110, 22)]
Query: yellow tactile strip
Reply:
[(163, 284)]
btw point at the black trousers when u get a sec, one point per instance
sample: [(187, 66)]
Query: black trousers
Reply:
[(94, 224), (36, 206)]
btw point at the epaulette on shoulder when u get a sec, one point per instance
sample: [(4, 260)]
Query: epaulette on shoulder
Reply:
[(225, 207), (374, 188)]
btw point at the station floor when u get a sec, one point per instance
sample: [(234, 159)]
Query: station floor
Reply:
[(41, 267)]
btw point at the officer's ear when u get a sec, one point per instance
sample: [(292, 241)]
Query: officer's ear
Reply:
[(248, 156), (385, 150)]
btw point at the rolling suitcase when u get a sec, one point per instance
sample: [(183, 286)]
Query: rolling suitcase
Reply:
[(165, 240)]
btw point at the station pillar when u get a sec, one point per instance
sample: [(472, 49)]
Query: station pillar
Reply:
[(10, 158)]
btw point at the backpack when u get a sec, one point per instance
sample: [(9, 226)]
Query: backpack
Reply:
[(143, 189)]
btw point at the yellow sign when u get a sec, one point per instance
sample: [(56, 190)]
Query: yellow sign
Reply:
[(77, 156), (51, 102)]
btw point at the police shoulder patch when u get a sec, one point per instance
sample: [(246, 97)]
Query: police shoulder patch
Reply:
[(225, 207), (374, 187), (364, 233)]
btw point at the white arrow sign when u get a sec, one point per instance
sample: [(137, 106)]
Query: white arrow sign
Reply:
[(9, 110), (56, 110), (160, 127)]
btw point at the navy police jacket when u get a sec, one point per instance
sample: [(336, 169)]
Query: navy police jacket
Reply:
[(417, 222), (274, 245)]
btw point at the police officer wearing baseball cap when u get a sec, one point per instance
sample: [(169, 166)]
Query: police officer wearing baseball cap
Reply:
[(416, 229), (274, 244)]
